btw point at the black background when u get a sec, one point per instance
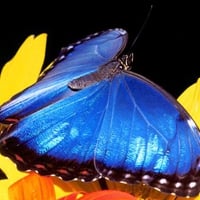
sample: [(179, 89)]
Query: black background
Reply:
[(167, 51)]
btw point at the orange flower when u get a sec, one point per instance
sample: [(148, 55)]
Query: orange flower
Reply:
[(100, 195), (32, 187)]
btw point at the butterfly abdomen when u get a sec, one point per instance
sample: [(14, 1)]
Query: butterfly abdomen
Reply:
[(107, 71)]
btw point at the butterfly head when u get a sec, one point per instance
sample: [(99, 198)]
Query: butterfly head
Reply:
[(126, 61)]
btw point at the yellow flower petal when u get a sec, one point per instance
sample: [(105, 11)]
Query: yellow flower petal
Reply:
[(24, 68), (190, 99), (20, 72), (197, 198)]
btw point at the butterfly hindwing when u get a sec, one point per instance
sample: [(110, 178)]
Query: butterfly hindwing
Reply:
[(146, 136)]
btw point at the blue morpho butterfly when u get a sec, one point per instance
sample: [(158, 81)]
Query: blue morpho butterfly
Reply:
[(89, 116)]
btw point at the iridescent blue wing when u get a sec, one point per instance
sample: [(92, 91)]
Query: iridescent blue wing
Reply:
[(60, 138), (78, 59), (146, 136)]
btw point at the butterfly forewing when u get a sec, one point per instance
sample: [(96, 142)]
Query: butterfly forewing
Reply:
[(76, 60)]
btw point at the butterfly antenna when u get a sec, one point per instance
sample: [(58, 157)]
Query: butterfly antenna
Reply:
[(142, 27)]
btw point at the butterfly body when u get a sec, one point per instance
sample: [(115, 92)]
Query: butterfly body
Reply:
[(94, 118), (107, 71)]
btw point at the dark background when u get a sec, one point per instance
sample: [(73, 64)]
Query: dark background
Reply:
[(167, 51)]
